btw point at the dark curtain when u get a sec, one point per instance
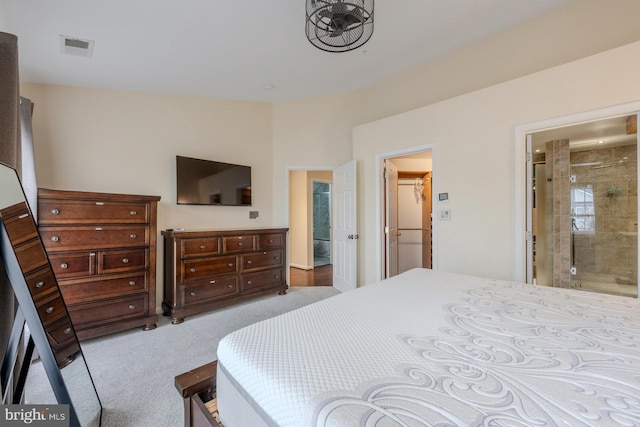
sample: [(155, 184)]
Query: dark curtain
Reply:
[(10, 153)]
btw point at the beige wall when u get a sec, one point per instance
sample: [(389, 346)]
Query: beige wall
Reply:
[(474, 155), (314, 133), (576, 30), (298, 219), (125, 142)]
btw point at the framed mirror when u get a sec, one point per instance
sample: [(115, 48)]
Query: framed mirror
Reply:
[(41, 307)]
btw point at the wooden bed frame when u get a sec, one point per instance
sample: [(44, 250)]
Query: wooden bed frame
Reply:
[(198, 390)]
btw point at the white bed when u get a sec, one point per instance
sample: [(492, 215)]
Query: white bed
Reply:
[(434, 348)]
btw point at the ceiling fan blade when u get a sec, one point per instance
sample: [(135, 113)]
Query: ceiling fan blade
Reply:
[(351, 19)]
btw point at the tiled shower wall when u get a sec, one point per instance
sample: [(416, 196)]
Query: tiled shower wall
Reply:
[(610, 254), (559, 199)]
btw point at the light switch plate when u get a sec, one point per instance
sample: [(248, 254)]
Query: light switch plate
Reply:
[(253, 214), (445, 214)]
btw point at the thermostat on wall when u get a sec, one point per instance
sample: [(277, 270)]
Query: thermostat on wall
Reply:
[(443, 197)]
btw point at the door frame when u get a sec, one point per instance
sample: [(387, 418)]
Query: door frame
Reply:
[(521, 179), (380, 242), (390, 253)]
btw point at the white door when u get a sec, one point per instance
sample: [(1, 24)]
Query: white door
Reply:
[(345, 237), (391, 227)]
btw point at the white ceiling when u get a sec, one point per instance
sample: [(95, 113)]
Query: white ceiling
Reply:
[(592, 135), (232, 49)]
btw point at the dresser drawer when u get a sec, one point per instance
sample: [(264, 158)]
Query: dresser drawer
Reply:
[(31, 255), (77, 290), (52, 211), (262, 279), (121, 261), (60, 333), (207, 289), (41, 283), (84, 315), (197, 247), (261, 259), (51, 308), (199, 268), (19, 223), (108, 236), (233, 244), (266, 241), (73, 264)]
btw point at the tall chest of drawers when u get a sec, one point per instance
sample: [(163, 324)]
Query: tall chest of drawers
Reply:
[(102, 248), (31, 256), (209, 269)]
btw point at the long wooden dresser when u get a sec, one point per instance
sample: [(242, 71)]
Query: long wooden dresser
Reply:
[(102, 248), (209, 269)]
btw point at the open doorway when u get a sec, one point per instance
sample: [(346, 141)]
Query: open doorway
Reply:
[(407, 198), (310, 237), (583, 206)]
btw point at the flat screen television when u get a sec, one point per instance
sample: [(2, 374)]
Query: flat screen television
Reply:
[(205, 182)]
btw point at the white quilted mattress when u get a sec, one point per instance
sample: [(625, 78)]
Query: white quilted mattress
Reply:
[(433, 348)]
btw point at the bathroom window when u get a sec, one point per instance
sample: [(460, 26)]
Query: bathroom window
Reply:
[(583, 216)]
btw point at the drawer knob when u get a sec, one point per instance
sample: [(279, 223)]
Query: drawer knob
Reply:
[(249, 262), (64, 265), (131, 306), (133, 236), (39, 284), (132, 283), (133, 212), (193, 270), (55, 211), (202, 246), (50, 310), (212, 282), (270, 241), (230, 286), (276, 257), (275, 276), (240, 243), (125, 260), (192, 293), (67, 331), (54, 238), (248, 282), (230, 264)]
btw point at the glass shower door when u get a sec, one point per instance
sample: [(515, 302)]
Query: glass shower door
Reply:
[(585, 216), (604, 212)]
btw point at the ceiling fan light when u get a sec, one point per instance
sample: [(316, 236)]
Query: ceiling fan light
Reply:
[(339, 25)]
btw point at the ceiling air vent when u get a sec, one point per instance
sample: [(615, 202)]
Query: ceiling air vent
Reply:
[(76, 46)]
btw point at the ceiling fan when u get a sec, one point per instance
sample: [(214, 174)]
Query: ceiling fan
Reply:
[(339, 25), (339, 17)]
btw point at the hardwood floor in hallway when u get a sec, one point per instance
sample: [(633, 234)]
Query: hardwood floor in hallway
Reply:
[(319, 276)]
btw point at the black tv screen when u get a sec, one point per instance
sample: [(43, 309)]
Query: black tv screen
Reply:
[(205, 182)]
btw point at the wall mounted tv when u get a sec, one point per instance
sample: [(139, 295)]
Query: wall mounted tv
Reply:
[(205, 182)]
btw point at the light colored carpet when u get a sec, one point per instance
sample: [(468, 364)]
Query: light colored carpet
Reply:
[(134, 371)]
